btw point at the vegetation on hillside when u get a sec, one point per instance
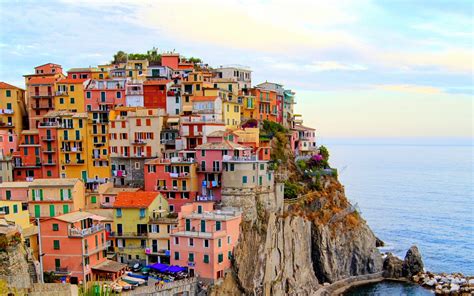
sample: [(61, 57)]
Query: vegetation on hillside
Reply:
[(151, 55)]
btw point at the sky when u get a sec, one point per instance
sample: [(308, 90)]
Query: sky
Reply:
[(394, 68)]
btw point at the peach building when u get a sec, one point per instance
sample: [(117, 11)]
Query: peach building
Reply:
[(204, 239), (14, 191), (12, 112), (75, 246)]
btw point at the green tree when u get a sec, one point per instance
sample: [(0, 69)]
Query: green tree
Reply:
[(120, 57), (323, 151)]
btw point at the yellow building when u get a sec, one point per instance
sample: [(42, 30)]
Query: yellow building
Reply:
[(52, 197), (16, 211), (98, 160), (70, 95), (132, 230), (137, 69), (12, 111), (248, 108)]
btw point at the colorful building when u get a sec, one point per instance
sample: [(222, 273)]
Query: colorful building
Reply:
[(40, 88), (175, 178), (134, 138), (52, 197), (194, 130), (266, 106), (27, 160), (6, 168), (131, 228), (303, 140), (16, 211), (209, 158), (12, 113), (243, 76), (75, 246), (204, 239), (154, 93), (104, 94)]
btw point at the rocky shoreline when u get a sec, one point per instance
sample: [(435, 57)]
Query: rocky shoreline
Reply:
[(411, 269)]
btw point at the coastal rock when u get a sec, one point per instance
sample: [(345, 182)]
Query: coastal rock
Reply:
[(392, 266), (379, 243), (413, 262)]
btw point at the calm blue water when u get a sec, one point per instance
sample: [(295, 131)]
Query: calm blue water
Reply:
[(413, 194), (389, 288)]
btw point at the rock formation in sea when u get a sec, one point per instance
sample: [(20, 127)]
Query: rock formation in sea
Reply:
[(294, 246)]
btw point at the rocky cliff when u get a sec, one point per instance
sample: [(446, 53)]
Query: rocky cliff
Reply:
[(293, 248)]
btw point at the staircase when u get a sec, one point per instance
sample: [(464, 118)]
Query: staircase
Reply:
[(32, 272)]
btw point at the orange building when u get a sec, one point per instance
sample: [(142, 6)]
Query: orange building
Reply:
[(266, 104), (27, 160), (40, 93), (75, 247)]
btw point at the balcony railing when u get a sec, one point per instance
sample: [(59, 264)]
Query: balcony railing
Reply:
[(128, 234), (61, 270), (171, 188), (49, 124), (42, 106), (138, 142), (48, 138), (91, 251), (119, 173), (252, 158), (62, 93), (73, 232), (73, 162)]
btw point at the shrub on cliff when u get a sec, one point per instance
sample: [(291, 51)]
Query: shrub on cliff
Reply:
[(292, 190)]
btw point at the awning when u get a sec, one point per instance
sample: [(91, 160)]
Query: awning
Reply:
[(110, 266), (187, 108)]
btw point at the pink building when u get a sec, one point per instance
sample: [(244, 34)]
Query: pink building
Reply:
[(8, 142), (209, 161), (14, 191), (204, 239), (303, 140), (175, 178), (75, 246), (104, 94)]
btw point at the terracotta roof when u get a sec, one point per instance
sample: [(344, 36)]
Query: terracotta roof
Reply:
[(106, 213), (141, 199), (202, 98), (156, 82), (41, 80), (302, 127), (4, 85)]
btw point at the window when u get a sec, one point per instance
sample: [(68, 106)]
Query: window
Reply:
[(118, 213), (219, 243), (232, 167), (15, 209), (65, 209), (148, 122), (191, 242), (220, 258), (88, 95), (93, 199), (8, 93), (176, 255), (139, 122), (55, 227), (191, 257), (229, 255), (218, 225), (51, 211), (199, 209), (203, 153), (142, 213), (262, 166), (244, 179), (206, 258), (119, 95), (9, 194), (176, 240), (206, 243), (56, 244), (228, 239)]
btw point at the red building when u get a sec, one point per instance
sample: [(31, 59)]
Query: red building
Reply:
[(27, 160), (266, 104), (154, 93), (104, 94), (40, 91)]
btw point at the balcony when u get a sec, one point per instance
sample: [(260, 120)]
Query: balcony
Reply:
[(26, 165), (41, 95), (228, 158), (7, 111), (180, 175), (49, 124), (48, 138), (153, 250), (71, 139), (96, 180), (134, 92), (61, 270), (91, 251), (73, 162), (28, 144), (138, 142), (163, 220), (119, 173), (42, 106), (72, 150), (168, 141), (128, 234), (6, 124), (49, 163), (62, 93), (182, 160), (172, 188), (73, 232), (194, 232)]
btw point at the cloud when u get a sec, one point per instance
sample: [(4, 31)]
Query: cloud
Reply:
[(410, 88), (333, 66)]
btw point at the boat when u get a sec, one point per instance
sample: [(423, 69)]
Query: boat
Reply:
[(124, 285), (116, 287), (138, 276), (131, 280)]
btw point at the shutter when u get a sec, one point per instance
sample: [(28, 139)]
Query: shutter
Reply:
[(61, 192), (34, 193), (41, 194)]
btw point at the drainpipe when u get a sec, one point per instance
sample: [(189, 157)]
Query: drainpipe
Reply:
[(84, 286), (40, 253)]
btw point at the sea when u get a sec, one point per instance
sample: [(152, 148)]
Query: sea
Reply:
[(412, 192)]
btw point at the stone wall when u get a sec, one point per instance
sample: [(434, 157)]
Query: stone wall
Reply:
[(186, 287), (135, 177)]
